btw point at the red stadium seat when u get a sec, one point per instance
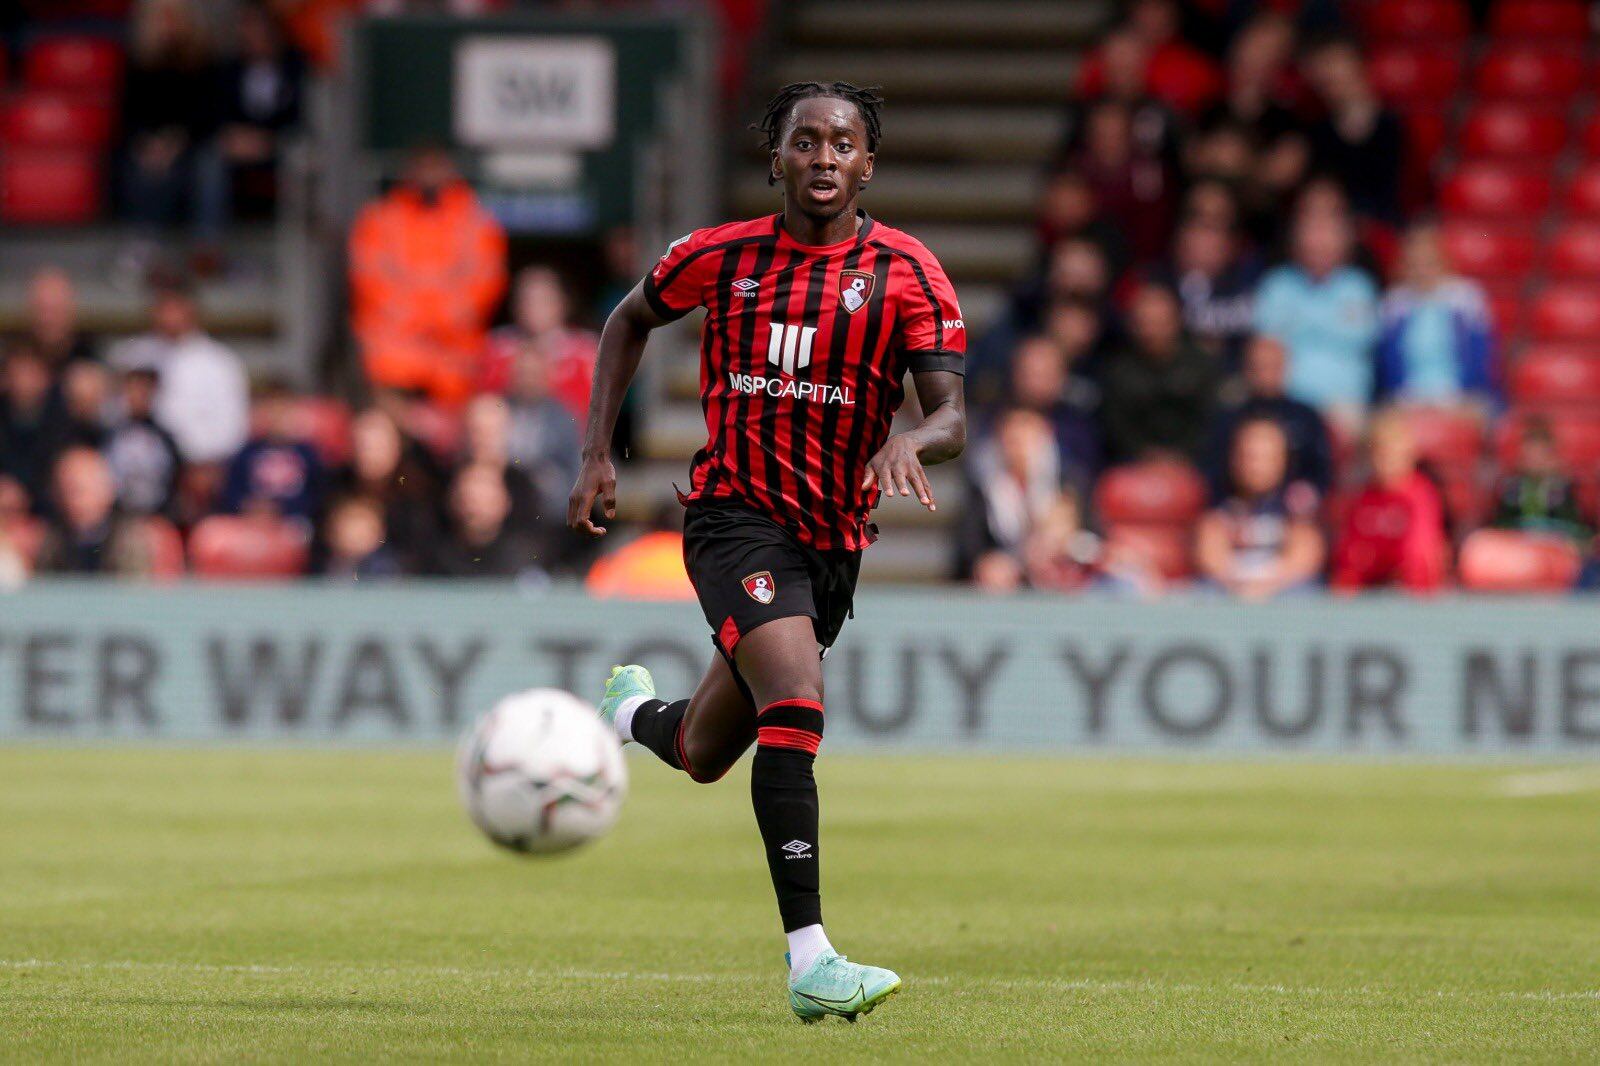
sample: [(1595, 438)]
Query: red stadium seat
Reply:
[(1530, 72), (1507, 310), (1589, 135), (225, 547), (1495, 190), (1450, 439), (1553, 376), (1583, 192), (78, 64), (166, 550), (50, 187), (1574, 252), (1513, 131), (1502, 560), (1557, 20), (324, 423), (1410, 75), (1577, 437), (1166, 549), (1481, 250), (1150, 493), (1567, 312), (52, 120), (1432, 20)]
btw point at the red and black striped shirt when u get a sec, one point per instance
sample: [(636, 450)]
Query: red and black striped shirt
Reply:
[(803, 356)]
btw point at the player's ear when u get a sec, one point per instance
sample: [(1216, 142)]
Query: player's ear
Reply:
[(775, 175), (866, 172)]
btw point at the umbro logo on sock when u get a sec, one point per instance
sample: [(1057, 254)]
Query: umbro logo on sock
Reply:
[(797, 849)]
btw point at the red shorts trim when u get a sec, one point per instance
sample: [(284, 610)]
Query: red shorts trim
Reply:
[(728, 635), (778, 736)]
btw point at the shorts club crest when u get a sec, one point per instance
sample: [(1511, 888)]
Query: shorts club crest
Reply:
[(760, 587), (855, 289)]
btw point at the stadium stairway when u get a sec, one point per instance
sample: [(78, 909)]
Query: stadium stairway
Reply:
[(974, 90)]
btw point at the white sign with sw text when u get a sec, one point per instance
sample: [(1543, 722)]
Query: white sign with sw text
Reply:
[(535, 92)]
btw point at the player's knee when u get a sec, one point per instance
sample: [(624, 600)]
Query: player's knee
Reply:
[(707, 762)]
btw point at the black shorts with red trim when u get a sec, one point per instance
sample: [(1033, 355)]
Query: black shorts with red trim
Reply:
[(747, 569)]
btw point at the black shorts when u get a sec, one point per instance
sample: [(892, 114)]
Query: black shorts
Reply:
[(747, 569)]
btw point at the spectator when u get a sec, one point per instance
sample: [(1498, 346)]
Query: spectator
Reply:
[(1393, 531), (1262, 540), (541, 314), (1359, 141), (1216, 285), (203, 396), (1123, 59), (401, 476), (30, 422), (479, 540), (1325, 312), (1080, 330), (1161, 388), (1436, 345), (1076, 270), (427, 268), (1013, 481), (1042, 381), (1135, 191), (143, 456), (355, 540), (89, 535), (52, 326), (1174, 71), (1060, 555), (259, 97), (487, 443), (276, 472), (1069, 209), (1310, 453), (544, 437), (168, 113), (85, 389), (1539, 495)]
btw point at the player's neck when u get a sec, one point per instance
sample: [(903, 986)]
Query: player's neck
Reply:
[(821, 231)]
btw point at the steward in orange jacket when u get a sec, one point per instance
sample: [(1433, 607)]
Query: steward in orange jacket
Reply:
[(427, 269)]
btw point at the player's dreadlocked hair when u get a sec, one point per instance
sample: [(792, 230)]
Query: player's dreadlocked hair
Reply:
[(867, 101)]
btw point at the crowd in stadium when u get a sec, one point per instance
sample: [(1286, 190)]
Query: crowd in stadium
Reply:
[(1247, 360)]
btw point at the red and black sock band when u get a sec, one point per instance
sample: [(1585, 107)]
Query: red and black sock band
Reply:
[(795, 724)]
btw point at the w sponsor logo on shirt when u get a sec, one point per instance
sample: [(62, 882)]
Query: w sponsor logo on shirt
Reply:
[(789, 347)]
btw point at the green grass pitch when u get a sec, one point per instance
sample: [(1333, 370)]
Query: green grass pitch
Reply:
[(297, 906)]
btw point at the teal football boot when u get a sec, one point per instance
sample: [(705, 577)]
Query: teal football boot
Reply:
[(835, 985), (624, 683)]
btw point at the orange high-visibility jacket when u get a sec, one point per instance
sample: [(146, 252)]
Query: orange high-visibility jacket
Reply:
[(423, 282)]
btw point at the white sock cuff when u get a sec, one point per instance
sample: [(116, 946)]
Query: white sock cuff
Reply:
[(623, 722), (806, 945)]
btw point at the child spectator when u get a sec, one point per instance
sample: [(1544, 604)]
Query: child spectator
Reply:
[(1393, 531), (1262, 540), (354, 539), (276, 472), (1539, 495), (1325, 311), (1310, 459), (143, 456), (1160, 390), (1437, 346)]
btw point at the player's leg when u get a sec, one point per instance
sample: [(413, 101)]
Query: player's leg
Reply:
[(703, 735), (779, 662)]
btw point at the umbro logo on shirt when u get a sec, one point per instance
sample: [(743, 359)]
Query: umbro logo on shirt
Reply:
[(746, 286)]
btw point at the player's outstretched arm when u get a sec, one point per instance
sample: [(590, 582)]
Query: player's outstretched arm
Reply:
[(621, 347), (938, 438)]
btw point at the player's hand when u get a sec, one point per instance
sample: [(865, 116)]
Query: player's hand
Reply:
[(897, 469), (597, 479)]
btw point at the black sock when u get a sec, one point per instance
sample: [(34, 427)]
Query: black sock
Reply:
[(783, 790), (657, 725)]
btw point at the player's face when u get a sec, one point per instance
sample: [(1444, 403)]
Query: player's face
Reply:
[(823, 160)]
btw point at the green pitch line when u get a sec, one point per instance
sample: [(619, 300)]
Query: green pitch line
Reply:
[(166, 906)]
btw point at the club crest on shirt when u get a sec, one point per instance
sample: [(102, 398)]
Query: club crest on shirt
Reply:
[(760, 587), (855, 289)]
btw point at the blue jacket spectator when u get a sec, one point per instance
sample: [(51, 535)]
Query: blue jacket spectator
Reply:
[(1325, 311), (1436, 345)]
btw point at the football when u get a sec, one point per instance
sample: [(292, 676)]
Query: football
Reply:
[(540, 772)]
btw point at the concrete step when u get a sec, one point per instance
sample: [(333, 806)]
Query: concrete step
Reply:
[(958, 75), (895, 23), (937, 193)]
